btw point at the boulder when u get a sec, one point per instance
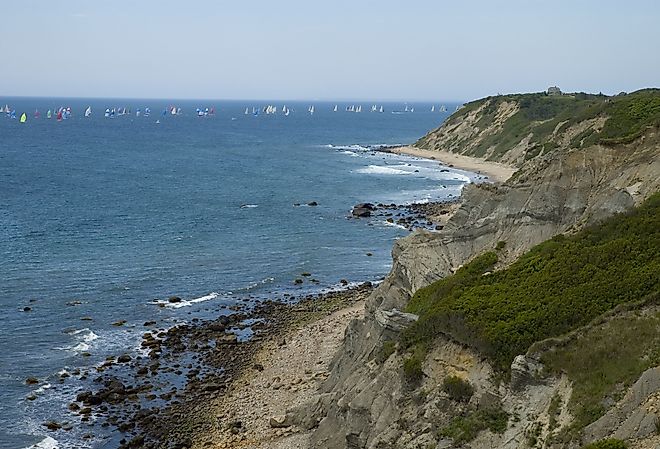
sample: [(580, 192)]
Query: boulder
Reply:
[(363, 210), (278, 421), (394, 319)]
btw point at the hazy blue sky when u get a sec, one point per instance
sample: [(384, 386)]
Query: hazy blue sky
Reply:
[(339, 49)]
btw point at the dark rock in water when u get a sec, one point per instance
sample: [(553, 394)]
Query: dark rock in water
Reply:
[(31, 381), (296, 204), (53, 425), (31, 397), (439, 227), (298, 281), (312, 203), (343, 282), (444, 170), (306, 274), (370, 254), (86, 318), (174, 299), (27, 309), (149, 323), (119, 323), (74, 407), (124, 358), (363, 210)]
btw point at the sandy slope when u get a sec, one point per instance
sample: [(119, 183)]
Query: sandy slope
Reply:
[(288, 372)]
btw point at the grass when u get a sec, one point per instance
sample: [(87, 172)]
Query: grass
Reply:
[(386, 350), (605, 359), (556, 287)]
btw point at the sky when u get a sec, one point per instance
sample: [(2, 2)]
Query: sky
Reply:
[(407, 50)]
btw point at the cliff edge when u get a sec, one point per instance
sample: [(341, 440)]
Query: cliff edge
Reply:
[(581, 159)]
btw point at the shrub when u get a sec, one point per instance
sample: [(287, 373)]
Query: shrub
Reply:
[(465, 428), (500, 245), (458, 389), (607, 444), (556, 287), (412, 367)]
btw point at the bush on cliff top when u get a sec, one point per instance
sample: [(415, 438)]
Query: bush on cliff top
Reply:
[(557, 286)]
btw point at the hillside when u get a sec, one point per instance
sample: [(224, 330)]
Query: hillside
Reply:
[(516, 128), (532, 318)]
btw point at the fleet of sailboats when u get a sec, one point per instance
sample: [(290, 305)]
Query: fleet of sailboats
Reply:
[(64, 113)]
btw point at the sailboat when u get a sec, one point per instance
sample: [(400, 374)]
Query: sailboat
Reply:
[(49, 114), (359, 109), (246, 111), (147, 112), (412, 109), (37, 114), (2, 109), (88, 111), (433, 108), (381, 109), (23, 118), (311, 110), (335, 109), (59, 115), (443, 108), (138, 112)]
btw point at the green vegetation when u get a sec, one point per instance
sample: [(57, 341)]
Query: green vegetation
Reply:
[(554, 409), (386, 350), (412, 366), (458, 389), (606, 358), (541, 117), (559, 285), (465, 428), (500, 245), (607, 444)]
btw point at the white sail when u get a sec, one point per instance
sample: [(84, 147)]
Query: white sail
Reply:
[(88, 111), (359, 109), (433, 108), (381, 109), (335, 109)]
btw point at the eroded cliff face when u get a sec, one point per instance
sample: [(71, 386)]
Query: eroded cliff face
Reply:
[(366, 403)]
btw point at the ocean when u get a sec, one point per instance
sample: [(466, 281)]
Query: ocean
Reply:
[(103, 219)]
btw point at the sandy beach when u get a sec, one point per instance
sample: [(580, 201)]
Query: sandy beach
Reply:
[(494, 170)]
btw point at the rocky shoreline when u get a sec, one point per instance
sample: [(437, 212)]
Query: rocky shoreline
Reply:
[(211, 357)]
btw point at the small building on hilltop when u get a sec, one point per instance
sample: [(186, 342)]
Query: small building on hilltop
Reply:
[(554, 90)]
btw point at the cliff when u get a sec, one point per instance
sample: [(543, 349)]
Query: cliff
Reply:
[(581, 159)]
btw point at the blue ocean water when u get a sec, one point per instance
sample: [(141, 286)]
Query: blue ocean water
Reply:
[(101, 216)]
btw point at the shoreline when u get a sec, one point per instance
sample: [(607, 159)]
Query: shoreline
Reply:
[(495, 171)]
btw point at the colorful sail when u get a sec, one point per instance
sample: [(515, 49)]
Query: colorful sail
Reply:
[(23, 118)]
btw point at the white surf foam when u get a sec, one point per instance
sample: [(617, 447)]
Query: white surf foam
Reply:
[(249, 206), (42, 388), (189, 302), (380, 170), (46, 443)]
